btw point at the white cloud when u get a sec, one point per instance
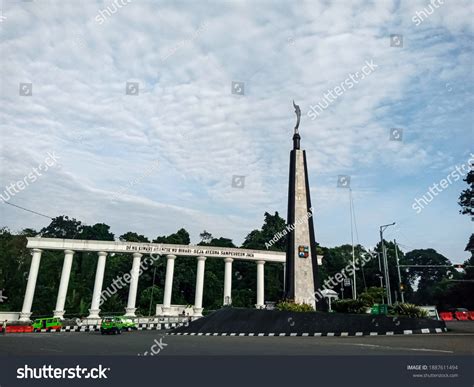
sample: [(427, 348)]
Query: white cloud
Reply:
[(186, 117)]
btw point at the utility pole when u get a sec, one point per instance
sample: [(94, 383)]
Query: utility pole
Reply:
[(402, 293), (380, 276), (385, 262), (354, 290)]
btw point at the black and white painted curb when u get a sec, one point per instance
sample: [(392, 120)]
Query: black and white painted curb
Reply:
[(96, 328), (328, 334)]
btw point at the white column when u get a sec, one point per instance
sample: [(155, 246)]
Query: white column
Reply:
[(132, 292), (99, 279), (31, 285), (63, 285), (168, 283), (201, 261), (228, 281), (260, 285)]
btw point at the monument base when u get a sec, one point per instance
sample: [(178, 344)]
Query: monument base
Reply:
[(251, 322)]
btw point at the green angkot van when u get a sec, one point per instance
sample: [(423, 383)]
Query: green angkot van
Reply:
[(47, 323), (112, 325)]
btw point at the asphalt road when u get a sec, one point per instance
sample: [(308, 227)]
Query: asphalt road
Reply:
[(458, 341)]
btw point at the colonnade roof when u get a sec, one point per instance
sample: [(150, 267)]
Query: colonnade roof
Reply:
[(155, 248)]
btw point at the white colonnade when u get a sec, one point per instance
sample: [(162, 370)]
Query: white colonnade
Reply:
[(103, 248)]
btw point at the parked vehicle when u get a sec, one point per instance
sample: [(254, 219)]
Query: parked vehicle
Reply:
[(47, 323), (128, 324), (432, 311), (112, 325)]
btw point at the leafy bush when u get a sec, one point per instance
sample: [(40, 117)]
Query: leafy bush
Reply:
[(367, 299), (349, 306), (391, 310), (410, 310), (294, 307), (376, 293)]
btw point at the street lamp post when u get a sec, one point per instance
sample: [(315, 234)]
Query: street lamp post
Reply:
[(385, 263), (402, 293)]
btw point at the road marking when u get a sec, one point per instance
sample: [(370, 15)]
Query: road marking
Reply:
[(401, 348), (51, 350)]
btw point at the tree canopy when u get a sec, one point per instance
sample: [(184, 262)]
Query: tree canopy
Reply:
[(432, 286)]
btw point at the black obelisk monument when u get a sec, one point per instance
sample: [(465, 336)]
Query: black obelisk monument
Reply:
[(301, 280)]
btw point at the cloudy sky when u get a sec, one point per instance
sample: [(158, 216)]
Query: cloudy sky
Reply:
[(164, 156)]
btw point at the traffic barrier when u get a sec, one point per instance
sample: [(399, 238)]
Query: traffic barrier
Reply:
[(14, 328), (471, 315), (18, 329), (446, 316), (462, 316)]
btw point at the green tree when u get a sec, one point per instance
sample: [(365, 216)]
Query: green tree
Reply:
[(180, 237), (15, 261), (133, 237), (428, 279), (466, 199), (260, 239), (62, 227), (205, 236)]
